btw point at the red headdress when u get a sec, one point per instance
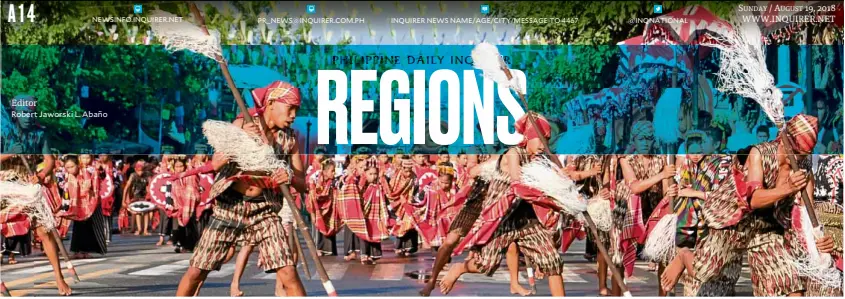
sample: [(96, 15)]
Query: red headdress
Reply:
[(523, 126), (277, 91), (803, 131)]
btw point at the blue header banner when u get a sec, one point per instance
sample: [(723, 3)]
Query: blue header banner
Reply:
[(624, 99)]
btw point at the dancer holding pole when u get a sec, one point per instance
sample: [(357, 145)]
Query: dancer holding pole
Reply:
[(487, 58), (276, 107)]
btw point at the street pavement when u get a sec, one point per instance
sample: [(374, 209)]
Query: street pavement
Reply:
[(134, 266)]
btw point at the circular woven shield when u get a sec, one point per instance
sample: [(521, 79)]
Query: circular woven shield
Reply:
[(141, 206), (159, 189)]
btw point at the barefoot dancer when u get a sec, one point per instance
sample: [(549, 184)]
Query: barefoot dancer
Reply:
[(22, 136), (322, 191), (644, 187), (699, 175), (399, 193), (107, 185), (89, 226), (460, 226), (186, 197), (767, 190), (501, 224), (136, 190), (244, 209), (362, 209), (375, 211), (589, 172)]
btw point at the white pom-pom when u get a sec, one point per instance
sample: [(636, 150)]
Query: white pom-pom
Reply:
[(247, 150), (743, 70), (599, 209), (177, 36), (660, 244), (542, 175), (29, 199), (489, 170), (486, 58), (815, 266)]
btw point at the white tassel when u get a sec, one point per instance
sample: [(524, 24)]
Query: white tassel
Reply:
[(490, 170), (544, 176), (815, 266), (599, 209), (666, 117), (660, 244), (486, 58), (743, 68), (177, 36), (30, 199), (247, 150)]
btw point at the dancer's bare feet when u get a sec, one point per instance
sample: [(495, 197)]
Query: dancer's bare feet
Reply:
[(64, 289), (517, 289), (671, 274), (426, 290), (160, 241), (235, 291), (448, 282), (603, 292), (137, 233)]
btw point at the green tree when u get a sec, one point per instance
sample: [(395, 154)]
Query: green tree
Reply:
[(588, 60)]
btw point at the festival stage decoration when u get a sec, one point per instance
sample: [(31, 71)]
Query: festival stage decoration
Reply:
[(743, 72), (186, 36), (486, 57)]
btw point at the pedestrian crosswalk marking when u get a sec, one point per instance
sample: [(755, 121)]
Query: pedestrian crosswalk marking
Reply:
[(335, 271), (570, 276), (388, 272), (21, 265), (48, 268), (52, 284), (226, 270), (577, 273), (169, 269)]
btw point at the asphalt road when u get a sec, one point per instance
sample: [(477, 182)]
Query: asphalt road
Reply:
[(134, 266)]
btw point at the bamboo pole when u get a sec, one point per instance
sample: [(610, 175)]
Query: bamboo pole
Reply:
[(617, 276), (327, 284)]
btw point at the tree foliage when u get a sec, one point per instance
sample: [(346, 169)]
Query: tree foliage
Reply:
[(55, 58), (590, 41)]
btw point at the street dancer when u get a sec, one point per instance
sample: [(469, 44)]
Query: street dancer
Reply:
[(501, 223), (249, 210), (25, 136)]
